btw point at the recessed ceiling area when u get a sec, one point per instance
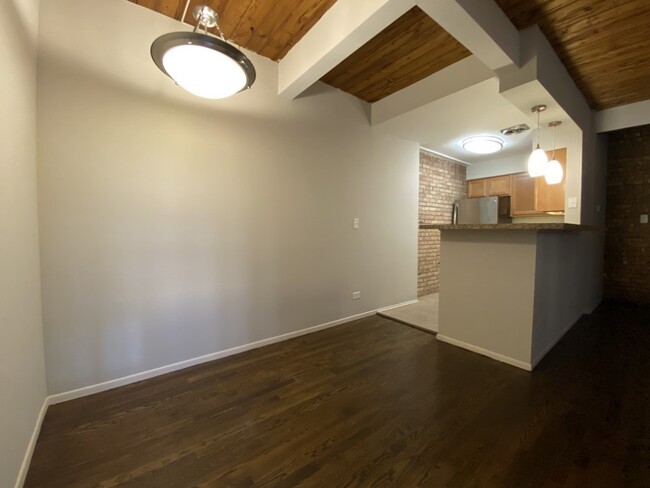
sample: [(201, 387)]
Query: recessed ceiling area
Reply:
[(604, 44), (442, 125), (270, 29), (410, 49)]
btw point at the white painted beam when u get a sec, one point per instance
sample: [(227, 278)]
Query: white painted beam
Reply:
[(480, 26), (458, 76), (344, 28), (630, 115)]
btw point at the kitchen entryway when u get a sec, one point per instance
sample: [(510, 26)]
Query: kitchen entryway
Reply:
[(423, 314)]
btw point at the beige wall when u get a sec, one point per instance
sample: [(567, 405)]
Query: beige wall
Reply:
[(174, 227), (487, 290), (22, 376)]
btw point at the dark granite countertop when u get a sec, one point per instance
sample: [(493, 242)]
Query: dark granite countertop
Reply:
[(548, 226)]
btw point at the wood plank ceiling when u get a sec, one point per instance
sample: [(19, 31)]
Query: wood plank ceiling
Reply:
[(604, 44), (269, 28), (410, 49)]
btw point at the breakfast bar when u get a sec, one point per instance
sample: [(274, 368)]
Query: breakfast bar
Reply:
[(511, 291)]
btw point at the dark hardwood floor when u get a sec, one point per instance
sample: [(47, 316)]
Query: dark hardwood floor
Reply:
[(371, 403)]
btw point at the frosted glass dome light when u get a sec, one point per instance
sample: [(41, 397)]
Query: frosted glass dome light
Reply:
[(482, 144), (204, 72), (554, 172), (204, 65), (537, 163)]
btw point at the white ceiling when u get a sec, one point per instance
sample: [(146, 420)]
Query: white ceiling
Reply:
[(478, 110)]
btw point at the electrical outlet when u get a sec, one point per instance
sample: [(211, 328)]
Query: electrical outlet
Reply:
[(644, 219), (356, 295), (573, 202), (355, 223)]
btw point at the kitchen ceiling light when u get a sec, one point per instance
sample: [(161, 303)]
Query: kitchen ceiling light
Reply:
[(482, 144), (204, 65), (538, 161), (554, 172)]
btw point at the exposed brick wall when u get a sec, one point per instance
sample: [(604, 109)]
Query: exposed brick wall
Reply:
[(441, 183), (627, 241)]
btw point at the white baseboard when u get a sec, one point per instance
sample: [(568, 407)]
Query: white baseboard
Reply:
[(486, 352), (410, 302), (133, 378), (27, 459)]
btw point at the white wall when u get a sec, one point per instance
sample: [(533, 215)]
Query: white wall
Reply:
[(173, 227), (499, 166), (22, 375)]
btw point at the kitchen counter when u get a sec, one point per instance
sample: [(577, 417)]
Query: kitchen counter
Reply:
[(528, 226)]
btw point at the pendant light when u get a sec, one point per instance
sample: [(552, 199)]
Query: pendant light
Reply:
[(554, 172), (538, 160), (204, 65)]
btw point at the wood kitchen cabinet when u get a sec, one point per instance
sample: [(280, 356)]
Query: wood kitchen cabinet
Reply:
[(499, 186), (477, 188), (533, 196), (489, 187), (524, 195), (530, 196), (550, 198)]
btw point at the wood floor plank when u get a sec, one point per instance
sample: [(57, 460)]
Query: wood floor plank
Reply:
[(370, 403)]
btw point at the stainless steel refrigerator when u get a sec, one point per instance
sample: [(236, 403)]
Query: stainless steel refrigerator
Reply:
[(485, 210)]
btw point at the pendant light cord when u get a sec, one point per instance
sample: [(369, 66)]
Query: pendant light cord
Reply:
[(553, 141), (538, 128)]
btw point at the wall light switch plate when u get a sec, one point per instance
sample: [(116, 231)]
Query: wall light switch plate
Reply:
[(573, 202), (355, 223), (356, 295), (644, 219)]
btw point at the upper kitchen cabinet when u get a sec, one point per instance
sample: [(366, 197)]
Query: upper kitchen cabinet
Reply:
[(533, 196), (499, 186), (550, 198), (477, 188), (489, 187)]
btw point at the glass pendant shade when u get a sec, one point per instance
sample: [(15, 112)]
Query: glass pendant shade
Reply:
[(537, 163), (204, 65), (554, 172)]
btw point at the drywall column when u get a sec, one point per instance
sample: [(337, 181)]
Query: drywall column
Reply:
[(22, 374)]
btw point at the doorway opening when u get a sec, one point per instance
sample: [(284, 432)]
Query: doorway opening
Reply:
[(442, 182)]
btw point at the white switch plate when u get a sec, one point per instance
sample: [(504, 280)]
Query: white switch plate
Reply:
[(573, 202), (356, 295), (644, 219), (355, 223)]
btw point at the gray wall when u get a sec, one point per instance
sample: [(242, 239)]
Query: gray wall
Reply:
[(173, 227), (22, 375)]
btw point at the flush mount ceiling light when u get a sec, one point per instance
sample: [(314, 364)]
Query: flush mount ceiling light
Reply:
[(554, 172), (204, 65), (538, 160), (482, 144)]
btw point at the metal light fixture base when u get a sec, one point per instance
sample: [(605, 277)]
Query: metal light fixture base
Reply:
[(205, 16)]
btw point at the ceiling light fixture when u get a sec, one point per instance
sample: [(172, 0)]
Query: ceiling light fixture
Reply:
[(204, 65), (554, 172), (538, 160), (482, 144)]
